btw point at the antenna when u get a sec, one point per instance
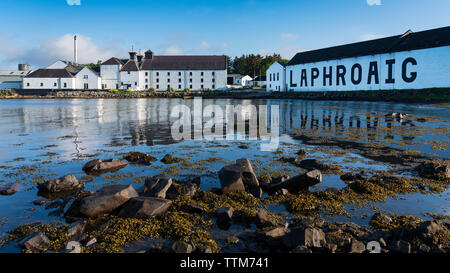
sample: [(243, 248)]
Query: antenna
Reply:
[(75, 57)]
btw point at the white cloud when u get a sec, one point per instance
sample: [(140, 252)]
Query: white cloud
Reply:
[(206, 47), (374, 2), (73, 2), (370, 36), (51, 49), (288, 36), (173, 50)]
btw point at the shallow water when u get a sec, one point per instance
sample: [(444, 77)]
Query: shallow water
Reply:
[(46, 139)]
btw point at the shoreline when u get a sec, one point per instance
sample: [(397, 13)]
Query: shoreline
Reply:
[(438, 95)]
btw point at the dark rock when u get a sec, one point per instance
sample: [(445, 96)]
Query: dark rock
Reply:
[(351, 177), (106, 200), (279, 179), (182, 189), (140, 158), (357, 247), (433, 170), (224, 217), (273, 237), (256, 192), (182, 247), (313, 164), (37, 242), (232, 240), (244, 147), (429, 230), (400, 246), (302, 153), (302, 250), (63, 184), (9, 189), (169, 159), (300, 182), (424, 249), (144, 207), (238, 177), (380, 217), (100, 166), (157, 186), (40, 202), (193, 208), (281, 192), (310, 237)]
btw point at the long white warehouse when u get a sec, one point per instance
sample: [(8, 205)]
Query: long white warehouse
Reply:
[(414, 60)]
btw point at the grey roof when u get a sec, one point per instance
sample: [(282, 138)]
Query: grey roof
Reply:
[(405, 42), (74, 68), (50, 73), (113, 61), (185, 63)]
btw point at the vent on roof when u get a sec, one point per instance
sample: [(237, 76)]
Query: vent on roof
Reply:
[(407, 33)]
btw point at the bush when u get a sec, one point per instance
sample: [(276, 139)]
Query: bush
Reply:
[(152, 90), (170, 90), (187, 90), (113, 90)]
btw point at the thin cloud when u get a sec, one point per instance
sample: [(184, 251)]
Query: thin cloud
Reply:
[(374, 2), (173, 50), (370, 36), (288, 36)]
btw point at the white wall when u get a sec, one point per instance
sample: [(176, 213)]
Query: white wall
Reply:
[(276, 78), (131, 78), (48, 83), (432, 68), (110, 75), (87, 76)]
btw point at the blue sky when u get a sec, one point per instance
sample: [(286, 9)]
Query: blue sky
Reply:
[(39, 31)]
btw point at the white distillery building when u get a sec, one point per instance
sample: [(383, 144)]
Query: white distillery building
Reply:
[(413, 60), (63, 75), (12, 79), (142, 72)]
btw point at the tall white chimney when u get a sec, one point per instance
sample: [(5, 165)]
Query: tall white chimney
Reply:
[(75, 57)]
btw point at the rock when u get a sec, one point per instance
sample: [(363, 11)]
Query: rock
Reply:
[(73, 247), (433, 170), (140, 158), (232, 240), (91, 242), (238, 177), (204, 249), (40, 202), (63, 184), (256, 192), (313, 164), (357, 246), (302, 250), (169, 159), (429, 230), (279, 179), (157, 186), (400, 246), (193, 208), (106, 200), (281, 192), (424, 248), (100, 166), (380, 217), (351, 177), (300, 182), (37, 242), (302, 153), (224, 217), (264, 219), (9, 189), (144, 207), (182, 189), (244, 147), (274, 236), (76, 230), (182, 247), (309, 237)]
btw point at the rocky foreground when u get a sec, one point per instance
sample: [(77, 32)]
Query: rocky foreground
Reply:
[(168, 215)]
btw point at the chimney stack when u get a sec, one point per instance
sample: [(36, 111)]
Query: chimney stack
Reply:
[(148, 54), (139, 57), (132, 55), (75, 57)]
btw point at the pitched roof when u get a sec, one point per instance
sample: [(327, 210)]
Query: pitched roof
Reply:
[(130, 66), (50, 73), (185, 63), (74, 68), (113, 61), (408, 41)]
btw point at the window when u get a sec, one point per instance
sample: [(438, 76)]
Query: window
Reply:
[(146, 86), (179, 80), (190, 73), (179, 86), (179, 74), (213, 80), (157, 73), (135, 83), (146, 80), (157, 80), (168, 73), (213, 87), (85, 77), (168, 86), (201, 80), (157, 86), (128, 72), (270, 77), (54, 84), (190, 80), (86, 86), (201, 86), (213, 73), (65, 84), (121, 83), (190, 86), (168, 80), (278, 76), (28, 84), (42, 84), (146, 73), (201, 74)]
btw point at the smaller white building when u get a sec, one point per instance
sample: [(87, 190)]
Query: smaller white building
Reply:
[(276, 77), (87, 79), (237, 80)]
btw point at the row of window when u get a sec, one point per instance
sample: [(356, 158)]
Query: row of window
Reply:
[(54, 84), (179, 87), (179, 80), (272, 76), (168, 73)]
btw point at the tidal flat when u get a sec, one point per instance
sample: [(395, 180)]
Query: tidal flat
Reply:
[(384, 178)]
